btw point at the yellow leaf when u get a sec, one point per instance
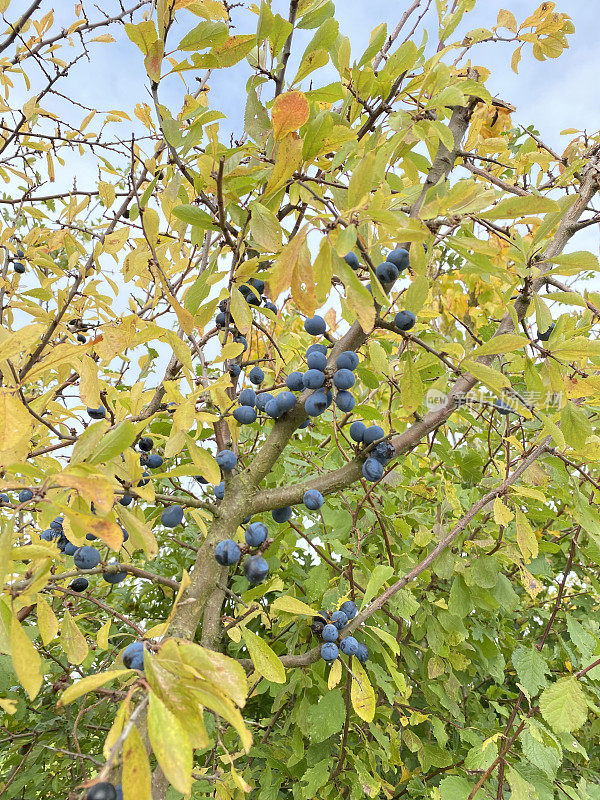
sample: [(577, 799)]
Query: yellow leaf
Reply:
[(290, 112), (72, 640), (280, 275), (102, 635), (292, 606), (47, 621), (265, 661), (140, 533), (335, 674), (8, 706), (287, 160), (361, 693), (204, 461), (526, 539), (89, 387), (25, 658), (171, 745), (506, 19), (531, 585), (115, 728), (88, 684), (411, 388), (16, 426), (240, 310), (502, 514), (136, 769)]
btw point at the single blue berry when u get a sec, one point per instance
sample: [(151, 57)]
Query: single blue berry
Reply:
[(273, 409), (347, 360), (146, 444), (316, 404), (387, 272), (349, 646), (86, 557), (316, 325), (316, 348), (247, 397), (25, 495), (96, 413), (256, 534), (543, 337), (316, 360), (245, 415), (357, 431), (330, 633), (256, 569), (399, 257), (329, 651), (227, 460), (404, 320), (286, 401), (339, 619), (294, 382), (352, 260), (344, 379), (154, 461), (219, 490), (345, 402), (372, 433), (227, 553), (313, 379), (256, 376), (172, 516), (349, 608), (362, 653), (313, 499), (372, 469), (282, 514)]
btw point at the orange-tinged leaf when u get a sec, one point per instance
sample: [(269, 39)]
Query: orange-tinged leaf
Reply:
[(290, 112), (96, 488)]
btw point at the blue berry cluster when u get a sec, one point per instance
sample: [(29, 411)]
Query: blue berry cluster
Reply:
[(328, 627)]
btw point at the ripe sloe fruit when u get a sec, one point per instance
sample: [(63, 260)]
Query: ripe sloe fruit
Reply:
[(227, 553)]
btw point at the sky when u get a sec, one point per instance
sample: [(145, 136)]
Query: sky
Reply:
[(554, 95)]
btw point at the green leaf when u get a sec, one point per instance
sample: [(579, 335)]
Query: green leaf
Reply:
[(489, 376), (416, 294), (575, 425), (326, 717), (455, 788), (114, 443), (265, 660), (195, 216), (207, 34), (505, 343), (89, 683), (380, 575), (564, 705), (227, 54), (531, 669)]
